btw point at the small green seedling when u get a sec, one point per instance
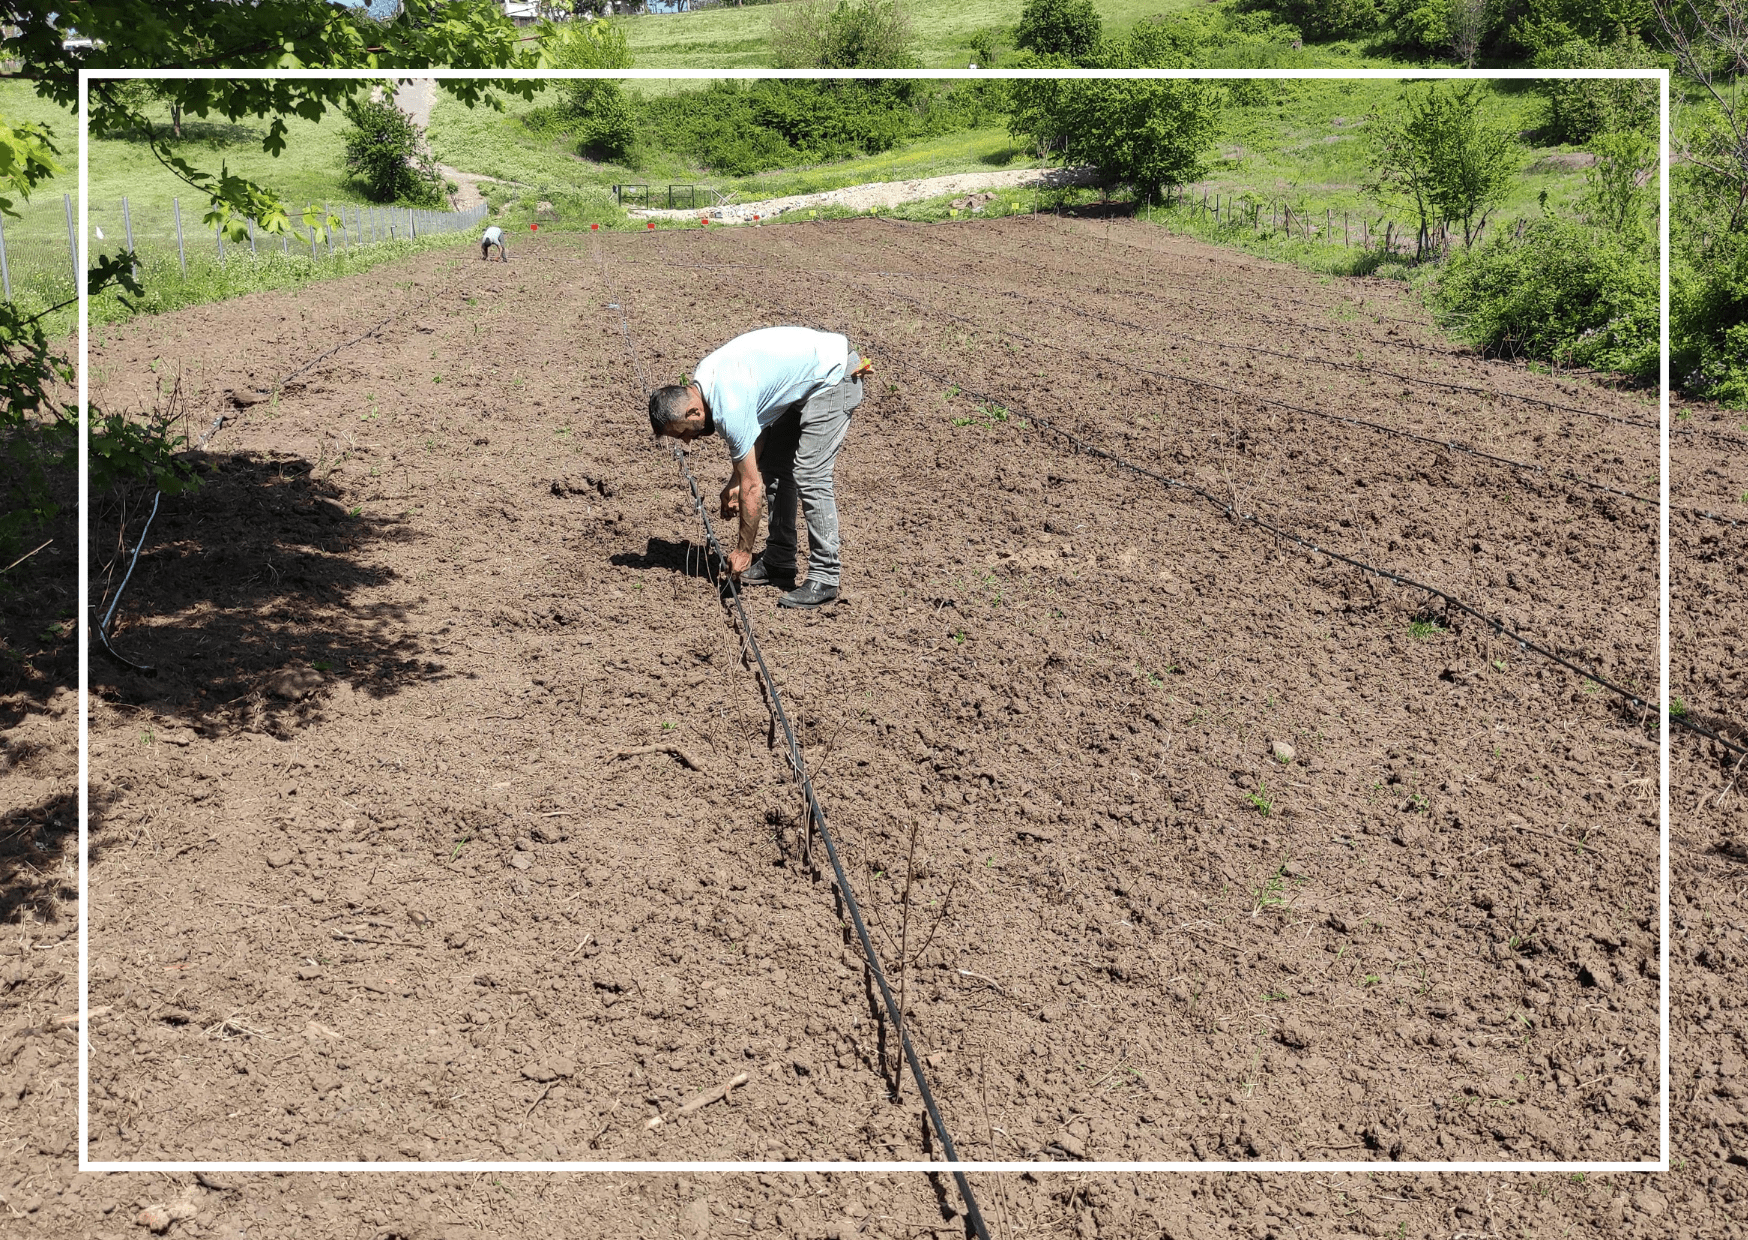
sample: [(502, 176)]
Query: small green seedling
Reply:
[(1260, 798), (1499, 665), (1677, 707), (322, 665), (355, 510), (456, 851), (1372, 979), (1423, 629)]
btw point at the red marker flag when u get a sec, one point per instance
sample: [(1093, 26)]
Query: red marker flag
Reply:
[(534, 227), (593, 227)]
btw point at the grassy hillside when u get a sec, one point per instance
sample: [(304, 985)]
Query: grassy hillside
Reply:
[(310, 170), (1308, 147), (737, 38), (500, 145), (1305, 147)]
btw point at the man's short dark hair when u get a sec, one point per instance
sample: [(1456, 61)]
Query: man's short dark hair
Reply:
[(668, 405)]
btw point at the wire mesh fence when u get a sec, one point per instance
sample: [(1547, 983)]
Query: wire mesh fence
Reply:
[(179, 233), (38, 250), (37, 267)]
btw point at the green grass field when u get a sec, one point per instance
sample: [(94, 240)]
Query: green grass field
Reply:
[(737, 38), (1308, 148), (38, 261)]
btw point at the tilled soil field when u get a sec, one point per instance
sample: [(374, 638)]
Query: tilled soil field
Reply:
[(1216, 848), (1708, 820)]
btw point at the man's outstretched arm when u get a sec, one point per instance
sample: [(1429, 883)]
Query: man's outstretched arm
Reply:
[(750, 487)]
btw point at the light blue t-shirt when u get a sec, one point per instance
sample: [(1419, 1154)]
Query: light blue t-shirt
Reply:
[(753, 378), (494, 236)]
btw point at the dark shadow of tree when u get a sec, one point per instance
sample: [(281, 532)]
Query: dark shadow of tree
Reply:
[(35, 842), (245, 603)]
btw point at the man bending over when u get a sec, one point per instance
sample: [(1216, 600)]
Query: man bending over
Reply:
[(781, 399)]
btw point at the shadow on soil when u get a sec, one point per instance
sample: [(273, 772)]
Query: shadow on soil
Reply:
[(34, 843), (687, 558), (243, 602)]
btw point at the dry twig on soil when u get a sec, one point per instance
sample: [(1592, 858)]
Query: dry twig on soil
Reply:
[(686, 759), (717, 1094)]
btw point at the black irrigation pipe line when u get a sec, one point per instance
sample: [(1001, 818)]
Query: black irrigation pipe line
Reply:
[(1395, 578), (1452, 444), (1456, 387), (816, 812), (219, 421), (1190, 305), (1231, 512)]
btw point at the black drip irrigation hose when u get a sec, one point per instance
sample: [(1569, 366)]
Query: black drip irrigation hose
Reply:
[(278, 386), (1458, 387), (1452, 444), (815, 812), (1296, 325), (1395, 578)]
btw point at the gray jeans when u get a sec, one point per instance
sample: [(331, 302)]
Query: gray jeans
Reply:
[(796, 456)]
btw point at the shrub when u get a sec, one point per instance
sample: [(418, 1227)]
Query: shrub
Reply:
[(1577, 109), (739, 128), (593, 111), (1332, 19), (385, 156), (1143, 132), (1068, 28), (842, 34), (1708, 320), (1565, 292)]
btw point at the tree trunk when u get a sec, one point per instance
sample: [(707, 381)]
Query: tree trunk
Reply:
[(176, 119)]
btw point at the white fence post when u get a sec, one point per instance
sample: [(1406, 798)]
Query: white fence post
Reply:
[(127, 223), (72, 241), (181, 253)]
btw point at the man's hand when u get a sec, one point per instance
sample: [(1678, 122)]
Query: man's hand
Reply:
[(738, 561), (730, 500)]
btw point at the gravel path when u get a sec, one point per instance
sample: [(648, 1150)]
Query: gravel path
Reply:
[(885, 193)]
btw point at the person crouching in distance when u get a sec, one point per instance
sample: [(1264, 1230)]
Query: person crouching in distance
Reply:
[(493, 236), (781, 398)]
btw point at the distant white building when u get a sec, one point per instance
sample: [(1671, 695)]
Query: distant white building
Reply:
[(522, 12)]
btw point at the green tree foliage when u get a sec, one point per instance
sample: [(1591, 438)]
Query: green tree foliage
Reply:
[(739, 128), (384, 155), (1067, 28), (843, 34), (1146, 133), (1546, 24), (1459, 30), (1708, 319), (1565, 290), (594, 111), (1577, 109), (1620, 191), (1331, 19), (1437, 154)]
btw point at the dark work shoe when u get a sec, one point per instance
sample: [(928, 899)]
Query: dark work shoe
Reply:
[(808, 595), (759, 575)]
